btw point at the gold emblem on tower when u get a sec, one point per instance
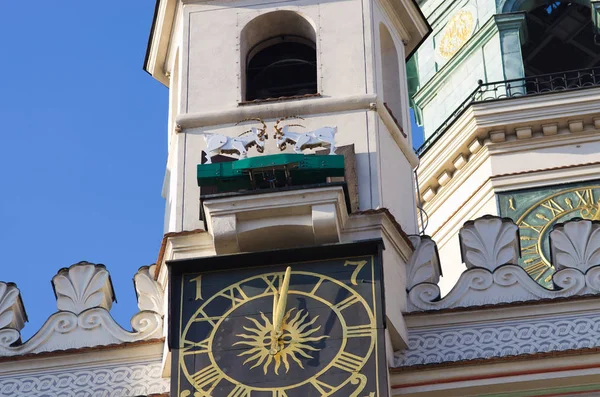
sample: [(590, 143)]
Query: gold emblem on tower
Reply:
[(456, 33)]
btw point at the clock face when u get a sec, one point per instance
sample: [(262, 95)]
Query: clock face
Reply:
[(326, 341), (537, 211)]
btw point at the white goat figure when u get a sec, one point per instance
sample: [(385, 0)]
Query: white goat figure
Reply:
[(221, 144), (321, 137)]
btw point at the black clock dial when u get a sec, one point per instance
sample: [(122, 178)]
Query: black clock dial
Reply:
[(327, 340)]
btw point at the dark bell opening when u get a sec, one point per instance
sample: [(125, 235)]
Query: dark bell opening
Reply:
[(283, 69), (561, 38)]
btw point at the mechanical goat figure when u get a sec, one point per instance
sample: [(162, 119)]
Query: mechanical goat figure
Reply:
[(321, 137), (221, 144)]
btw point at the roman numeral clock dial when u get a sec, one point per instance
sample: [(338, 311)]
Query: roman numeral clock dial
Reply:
[(537, 211), (302, 322)]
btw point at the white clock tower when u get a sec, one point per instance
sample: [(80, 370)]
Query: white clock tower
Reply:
[(333, 63)]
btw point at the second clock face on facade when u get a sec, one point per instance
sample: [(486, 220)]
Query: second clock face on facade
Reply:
[(536, 211)]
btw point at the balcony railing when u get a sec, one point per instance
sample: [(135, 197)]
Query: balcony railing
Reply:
[(527, 86)]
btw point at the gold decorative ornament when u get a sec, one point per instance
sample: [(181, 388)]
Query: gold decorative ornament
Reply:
[(456, 33), (291, 341)]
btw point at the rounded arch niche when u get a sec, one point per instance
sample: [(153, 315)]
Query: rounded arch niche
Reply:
[(279, 56)]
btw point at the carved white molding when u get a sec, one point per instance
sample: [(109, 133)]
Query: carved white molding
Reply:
[(489, 242), (93, 327), (576, 244), (83, 286), (490, 246), (149, 292), (500, 338), (509, 283), (120, 380), (424, 264), (84, 297), (261, 221)]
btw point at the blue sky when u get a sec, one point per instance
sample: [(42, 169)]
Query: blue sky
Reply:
[(82, 146)]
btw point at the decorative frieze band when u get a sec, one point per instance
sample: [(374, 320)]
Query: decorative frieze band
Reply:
[(500, 339), (122, 380)]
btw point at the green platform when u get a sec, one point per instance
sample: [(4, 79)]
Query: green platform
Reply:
[(277, 170)]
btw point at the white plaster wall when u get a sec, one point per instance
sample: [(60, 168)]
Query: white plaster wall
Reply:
[(565, 152), (214, 62), (397, 182)]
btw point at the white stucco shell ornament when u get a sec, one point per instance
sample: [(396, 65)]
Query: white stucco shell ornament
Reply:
[(576, 245), (84, 296), (12, 314), (490, 250), (424, 264)]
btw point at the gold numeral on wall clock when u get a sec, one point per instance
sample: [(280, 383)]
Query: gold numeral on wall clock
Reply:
[(553, 207), (537, 229), (349, 301), (207, 377), (195, 347), (270, 281), (279, 393), (359, 265), (322, 387), (536, 270), (198, 281), (530, 250), (348, 362), (232, 294), (585, 197), (240, 391), (359, 331)]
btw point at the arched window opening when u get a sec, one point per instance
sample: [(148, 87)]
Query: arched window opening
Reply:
[(279, 53), (560, 39), (390, 73), (282, 66)]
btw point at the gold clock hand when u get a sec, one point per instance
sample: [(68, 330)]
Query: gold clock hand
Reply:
[(281, 304)]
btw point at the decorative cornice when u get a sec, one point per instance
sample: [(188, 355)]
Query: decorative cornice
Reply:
[(506, 125), (84, 297), (490, 247)]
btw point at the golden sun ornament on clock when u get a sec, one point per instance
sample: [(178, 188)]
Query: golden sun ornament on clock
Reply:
[(457, 32), (292, 345)]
